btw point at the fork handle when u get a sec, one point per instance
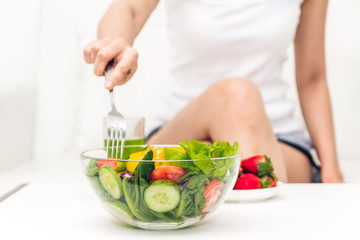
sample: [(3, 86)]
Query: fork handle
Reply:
[(109, 68), (112, 101)]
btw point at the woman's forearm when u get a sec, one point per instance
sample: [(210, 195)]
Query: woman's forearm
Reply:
[(312, 86), (125, 18), (316, 107)]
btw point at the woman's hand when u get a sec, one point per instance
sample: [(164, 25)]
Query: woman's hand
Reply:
[(101, 52), (331, 175)]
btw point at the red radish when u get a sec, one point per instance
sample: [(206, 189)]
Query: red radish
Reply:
[(259, 165), (268, 182), (212, 193), (169, 172), (248, 181), (110, 163)]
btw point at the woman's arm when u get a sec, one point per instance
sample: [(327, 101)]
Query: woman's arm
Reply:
[(312, 86), (116, 33)]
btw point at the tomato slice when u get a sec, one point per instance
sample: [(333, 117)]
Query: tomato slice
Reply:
[(169, 172), (212, 193), (112, 164)]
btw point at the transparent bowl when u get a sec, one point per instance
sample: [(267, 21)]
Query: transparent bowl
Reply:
[(141, 200)]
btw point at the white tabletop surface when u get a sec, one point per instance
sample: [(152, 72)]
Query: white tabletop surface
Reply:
[(57, 205)]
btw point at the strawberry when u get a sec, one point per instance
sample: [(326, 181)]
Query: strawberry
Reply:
[(259, 165), (248, 181), (241, 172), (268, 182)]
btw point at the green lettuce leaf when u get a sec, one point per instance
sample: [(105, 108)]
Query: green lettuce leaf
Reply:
[(171, 154), (211, 168)]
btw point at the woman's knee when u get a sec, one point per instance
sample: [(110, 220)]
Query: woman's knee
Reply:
[(239, 97)]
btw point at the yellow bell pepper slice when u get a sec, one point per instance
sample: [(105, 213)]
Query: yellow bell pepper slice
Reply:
[(130, 166), (159, 154)]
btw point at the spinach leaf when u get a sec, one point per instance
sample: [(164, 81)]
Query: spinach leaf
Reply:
[(131, 196), (199, 200), (134, 200), (145, 168), (92, 169), (98, 188), (192, 197), (134, 188), (183, 178)]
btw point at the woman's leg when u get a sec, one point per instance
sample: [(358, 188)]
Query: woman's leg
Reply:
[(231, 110), (297, 164)]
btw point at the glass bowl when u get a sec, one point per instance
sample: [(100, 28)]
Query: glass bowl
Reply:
[(159, 194)]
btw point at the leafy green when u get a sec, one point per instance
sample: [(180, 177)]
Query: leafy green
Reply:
[(196, 149), (119, 208), (145, 168), (172, 154), (132, 199), (192, 197), (224, 149), (192, 173), (212, 168), (92, 169), (134, 188), (98, 188)]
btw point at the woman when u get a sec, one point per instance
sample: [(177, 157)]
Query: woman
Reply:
[(227, 58)]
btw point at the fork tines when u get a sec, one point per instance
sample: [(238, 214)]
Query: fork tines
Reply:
[(113, 142)]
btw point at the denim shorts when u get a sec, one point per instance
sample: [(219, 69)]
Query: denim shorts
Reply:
[(296, 140)]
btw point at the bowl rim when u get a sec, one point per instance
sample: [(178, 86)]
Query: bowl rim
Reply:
[(83, 154)]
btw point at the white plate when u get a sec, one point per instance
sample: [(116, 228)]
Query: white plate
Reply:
[(253, 194)]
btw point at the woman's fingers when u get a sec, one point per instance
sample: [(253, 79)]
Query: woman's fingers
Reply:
[(101, 52), (91, 50), (106, 54), (124, 68)]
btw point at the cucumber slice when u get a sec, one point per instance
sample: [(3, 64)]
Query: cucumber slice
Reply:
[(110, 181), (119, 208), (162, 196), (99, 189)]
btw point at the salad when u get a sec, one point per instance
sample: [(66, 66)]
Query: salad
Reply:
[(168, 184)]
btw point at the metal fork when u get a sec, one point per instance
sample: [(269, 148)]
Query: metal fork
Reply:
[(116, 125)]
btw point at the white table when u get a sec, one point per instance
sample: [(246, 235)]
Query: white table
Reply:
[(52, 207)]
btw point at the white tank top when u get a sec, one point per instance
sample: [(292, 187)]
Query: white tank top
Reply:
[(214, 39)]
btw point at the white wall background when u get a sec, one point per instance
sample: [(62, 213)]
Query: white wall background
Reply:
[(52, 105)]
